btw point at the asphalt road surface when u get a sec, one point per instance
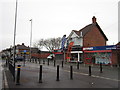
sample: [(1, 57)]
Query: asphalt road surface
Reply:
[(81, 78)]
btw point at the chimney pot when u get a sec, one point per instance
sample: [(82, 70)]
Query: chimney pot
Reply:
[(22, 43), (93, 19)]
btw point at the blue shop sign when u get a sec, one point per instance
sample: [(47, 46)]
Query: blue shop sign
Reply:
[(111, 47)]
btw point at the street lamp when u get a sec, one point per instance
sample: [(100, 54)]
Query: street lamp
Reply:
[(14, 39), (30, 38)]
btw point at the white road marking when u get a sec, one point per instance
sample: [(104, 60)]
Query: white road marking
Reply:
[(88, 74), (94, 76)]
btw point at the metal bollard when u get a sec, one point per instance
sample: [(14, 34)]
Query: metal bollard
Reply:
[(24, 62), (54, 63), (39, 61), (62, 63), (36, 60), (71, 72), (57, 79), (77, 65), (18, 75), (48, 61), (43, 61), (40, 74), (89, 70), (101, 68)]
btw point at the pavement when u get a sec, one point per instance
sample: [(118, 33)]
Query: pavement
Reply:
[(0, 74), (29, 76)]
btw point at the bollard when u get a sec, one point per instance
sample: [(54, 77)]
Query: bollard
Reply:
[(89, 70), (54, 63), (101, 68), (62, 64), (43, 61), (39, 61), (36, 60), (18, 75), (48, 61), (40, 74), (57, 73), (77, 65), (71, 72), (33, 60), (24, 62)]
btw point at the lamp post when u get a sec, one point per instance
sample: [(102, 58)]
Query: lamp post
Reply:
[(14, 39), (30, 38), (14, 34)]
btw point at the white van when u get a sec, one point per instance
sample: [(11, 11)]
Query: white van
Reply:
[(51, 56)]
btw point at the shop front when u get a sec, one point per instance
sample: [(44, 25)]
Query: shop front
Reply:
[(76, 56), (99, 54)]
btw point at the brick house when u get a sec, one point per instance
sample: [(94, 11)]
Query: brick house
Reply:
[(89, 36), (116, 54), (21, 48)]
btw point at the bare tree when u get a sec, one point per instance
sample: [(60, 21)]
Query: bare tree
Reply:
[(58, 43), (39, 44), (47, 44), (50, 43)]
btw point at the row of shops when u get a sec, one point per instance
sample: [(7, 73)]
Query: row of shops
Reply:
[(107, 55)]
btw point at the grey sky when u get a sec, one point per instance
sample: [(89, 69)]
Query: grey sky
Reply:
[(54, 18)]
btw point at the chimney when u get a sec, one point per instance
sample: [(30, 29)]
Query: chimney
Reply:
[(93, 19), (22, 43)]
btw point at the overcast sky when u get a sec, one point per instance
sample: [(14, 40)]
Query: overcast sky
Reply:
[(54, 18)]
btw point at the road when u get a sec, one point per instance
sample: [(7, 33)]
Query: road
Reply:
[(81, 79)]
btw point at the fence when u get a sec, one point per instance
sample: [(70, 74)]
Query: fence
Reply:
[(12, 69)]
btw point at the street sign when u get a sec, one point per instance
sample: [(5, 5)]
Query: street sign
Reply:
[(24, 51)]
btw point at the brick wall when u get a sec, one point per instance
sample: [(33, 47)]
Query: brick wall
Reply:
[(42, 55), (94, 38), (115, 57)]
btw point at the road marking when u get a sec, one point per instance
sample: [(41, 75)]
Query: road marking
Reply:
[(94, 76), (83, 74), (105, 78)]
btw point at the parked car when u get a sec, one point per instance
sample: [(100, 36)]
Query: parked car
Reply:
[(80, 62), (51, 56), (19, 58)]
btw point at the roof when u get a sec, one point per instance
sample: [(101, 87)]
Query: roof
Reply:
[(118, 43), (22, 47), (87, 28)]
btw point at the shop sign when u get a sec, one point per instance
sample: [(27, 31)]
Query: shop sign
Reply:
[(111, 47)]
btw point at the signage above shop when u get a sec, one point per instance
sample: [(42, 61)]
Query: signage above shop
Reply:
[(111, 47)]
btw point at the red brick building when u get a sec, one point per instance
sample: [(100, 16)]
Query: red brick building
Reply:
[(92, 35), (89, 36)]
